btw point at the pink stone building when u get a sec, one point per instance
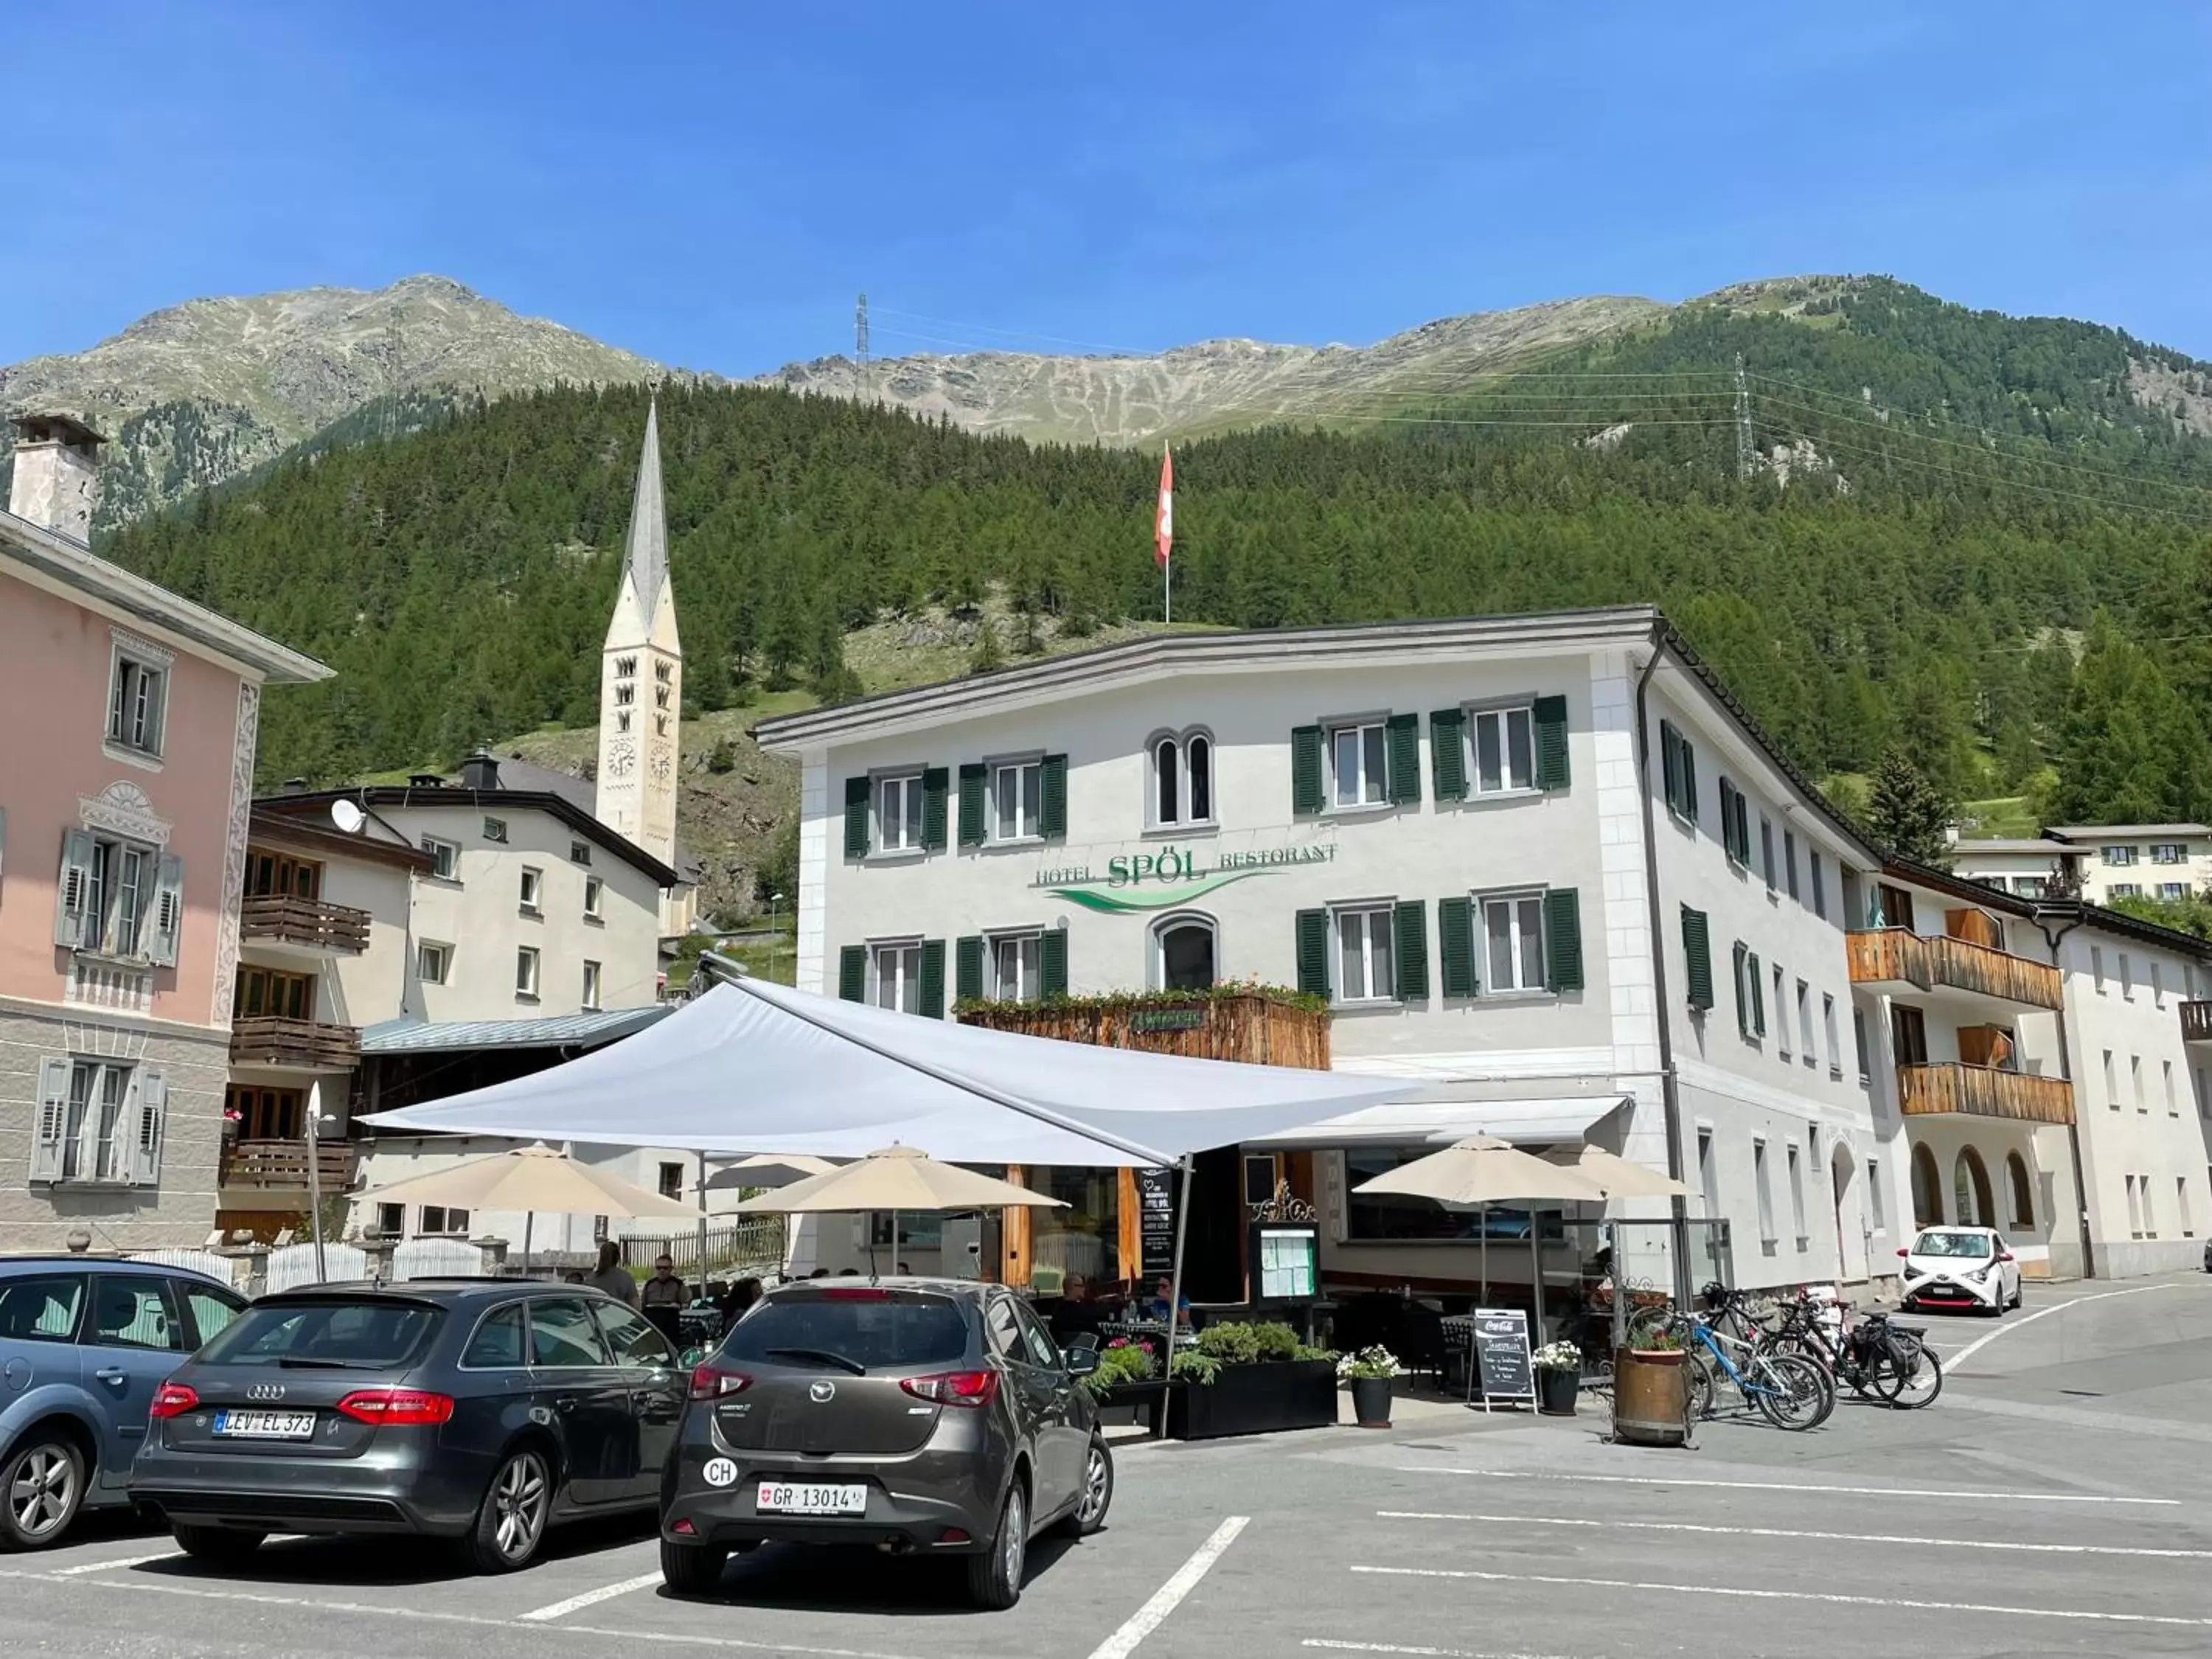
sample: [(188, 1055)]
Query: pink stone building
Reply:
[(127, 725)]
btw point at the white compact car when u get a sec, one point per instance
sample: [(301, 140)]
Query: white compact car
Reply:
[(1960, 1269)]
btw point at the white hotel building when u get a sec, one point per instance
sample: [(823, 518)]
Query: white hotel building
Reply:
[(1546, 869)]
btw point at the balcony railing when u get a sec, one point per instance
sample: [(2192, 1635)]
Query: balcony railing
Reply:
[(337, 928), (1983, 1092), (284, 1163), (1896, 955), (308, 1045), (2197, 1022)]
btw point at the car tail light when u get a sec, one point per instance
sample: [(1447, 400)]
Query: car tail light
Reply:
[(1903, 1249), (172, 1400), (857, 1293), (397, 1405), (711, 1383), (955, 1387)]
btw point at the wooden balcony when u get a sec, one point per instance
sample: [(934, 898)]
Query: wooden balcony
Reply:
[(283, 1164), (2197, 1022), (1983, 1092), (305, 1045), (335, 929), (1259, 1029), (1896, 957)]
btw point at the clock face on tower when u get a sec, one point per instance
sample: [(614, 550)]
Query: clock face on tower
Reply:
[(621, 760), (662, 764)]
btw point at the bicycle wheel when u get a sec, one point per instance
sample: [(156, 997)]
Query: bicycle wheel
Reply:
[(1702, 1386), (1908, 1376), (1790, 1393)]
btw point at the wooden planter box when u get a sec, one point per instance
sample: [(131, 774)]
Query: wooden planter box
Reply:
[(1131, 1402), (1258, 1030), (1261, 1399)]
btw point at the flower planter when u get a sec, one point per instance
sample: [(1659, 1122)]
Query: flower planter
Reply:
[(1257, 1399), (1370, 1400), (1132, 1403), (1556, 1390), (1651, 1397)]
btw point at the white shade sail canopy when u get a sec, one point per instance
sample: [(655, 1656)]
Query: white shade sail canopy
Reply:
[(763, 1069), (531, 1178), (899, 1178)]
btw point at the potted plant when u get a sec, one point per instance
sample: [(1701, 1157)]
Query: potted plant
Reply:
[(1370, 1372), (1123, 1386), (1559, 1378), (1651, 1392)]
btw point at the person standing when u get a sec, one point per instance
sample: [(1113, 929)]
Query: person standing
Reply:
[(612, 1277)]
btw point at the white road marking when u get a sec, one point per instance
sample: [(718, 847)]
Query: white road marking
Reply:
[(119, 1563), (1831, 1597), (1953, 1362), (1790, 1486), (1147, 1619), (589, 1598), (629, 1637), (1783, 1532)]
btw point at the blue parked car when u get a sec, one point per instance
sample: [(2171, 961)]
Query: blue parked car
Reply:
[(84, 1343)]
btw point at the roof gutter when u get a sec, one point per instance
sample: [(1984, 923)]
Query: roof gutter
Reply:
[(1670, 1090)]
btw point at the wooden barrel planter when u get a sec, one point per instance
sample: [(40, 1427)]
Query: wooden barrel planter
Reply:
[(1651, 1397)]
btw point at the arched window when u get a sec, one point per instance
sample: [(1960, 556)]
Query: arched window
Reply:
[(1198, 757), (1927, 1190), (1183, 953), (2023, 1196), (1970, 1187), (1181, 784), (1167, 781)]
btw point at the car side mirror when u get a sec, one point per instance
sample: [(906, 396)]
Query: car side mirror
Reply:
[(1080, 1361)]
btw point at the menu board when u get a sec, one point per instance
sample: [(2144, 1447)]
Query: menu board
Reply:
[(1285, 1260), (1156, 1222), (1503, 1363)]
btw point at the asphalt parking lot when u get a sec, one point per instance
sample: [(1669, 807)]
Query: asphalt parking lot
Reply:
[(2053, 1501)]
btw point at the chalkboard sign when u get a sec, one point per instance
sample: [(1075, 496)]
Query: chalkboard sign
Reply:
[(1504, 1368), (1156, 1222)]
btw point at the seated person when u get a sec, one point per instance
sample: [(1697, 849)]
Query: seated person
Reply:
[(1157, 1307)]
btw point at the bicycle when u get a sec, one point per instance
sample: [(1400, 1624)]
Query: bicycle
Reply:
[(1874, 1358), (1788, 1390)]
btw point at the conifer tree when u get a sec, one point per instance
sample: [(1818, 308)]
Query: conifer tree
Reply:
[(1906, 812)]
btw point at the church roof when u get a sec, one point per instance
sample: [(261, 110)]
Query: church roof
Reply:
[(646, 554)]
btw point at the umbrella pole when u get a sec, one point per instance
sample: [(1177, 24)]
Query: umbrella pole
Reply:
[(529, 1220), (1536, 1277), (1482, 1221), (1174, 1292), (703, 1223)]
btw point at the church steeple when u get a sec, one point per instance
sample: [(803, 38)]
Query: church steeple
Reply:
[(641, 674)]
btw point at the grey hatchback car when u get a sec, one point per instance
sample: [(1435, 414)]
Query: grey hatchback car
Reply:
[(934, 1417), (85, 1342), (479, 1409)]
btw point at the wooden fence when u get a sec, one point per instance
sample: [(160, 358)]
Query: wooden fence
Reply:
[(1258, 1030)]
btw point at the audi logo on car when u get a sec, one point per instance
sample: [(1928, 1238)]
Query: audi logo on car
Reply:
[(821, 1393), (264, 1391)]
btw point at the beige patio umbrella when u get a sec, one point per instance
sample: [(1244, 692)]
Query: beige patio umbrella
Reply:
[(898, 1178), (530, 1179), (1482, 1170), (1623, 1177)]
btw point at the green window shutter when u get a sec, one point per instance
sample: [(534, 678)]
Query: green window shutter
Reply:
[(1455, 945), (968, 968), (1052, 807), (1766, 850), (1562, 938), (852, 973), (1698, 957), (1313, 953), (1739, 956), (935, 786), (1052, 962), (974, 792), (932, 979), (1308, 792), (1402, 750), (1689, 779), (1550, 719), (857, 792), (1447, 753), (1409, 927)]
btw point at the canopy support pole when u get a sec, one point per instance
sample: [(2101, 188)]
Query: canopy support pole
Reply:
[(702, 1224), (1536, 1276), (529, 1220), (1175, 1290)]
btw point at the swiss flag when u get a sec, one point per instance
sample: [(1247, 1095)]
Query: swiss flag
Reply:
[(1164, 527)]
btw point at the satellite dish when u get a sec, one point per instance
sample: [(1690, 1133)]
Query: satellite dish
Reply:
[(347, 815)]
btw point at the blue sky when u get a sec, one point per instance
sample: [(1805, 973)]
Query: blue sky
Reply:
[(711, 187)]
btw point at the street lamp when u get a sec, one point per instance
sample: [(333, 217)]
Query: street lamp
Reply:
[(773, 900), (316, 1123)]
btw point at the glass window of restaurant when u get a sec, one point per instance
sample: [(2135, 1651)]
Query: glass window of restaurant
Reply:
[(1083, 1239)]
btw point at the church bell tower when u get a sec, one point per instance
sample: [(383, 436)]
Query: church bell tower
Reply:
[(642, 676)]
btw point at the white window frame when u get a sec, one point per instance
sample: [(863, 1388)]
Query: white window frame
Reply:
[(136, 721), (1503, 714), (2135, 1081), (1781, 1013), (2124, 889), (95, 1146), (452, 1222), (495, 830), (123, 927), (2127, 979), (445, 955), (1763, 1180), (2173, 1105), (579, 852), (396, 1215), (2169, 852), (594, 985), (2117, 858), (595, 890), (1835, 1040), (1819, 883), (1155, 947), (1486, 980), (907, 787), (2173, 892), (1026, 945), (1368, 915), (2157, 984), (1028, 801), (527, 973), (1796, 1165), (904, 957), (1805, 1049), (1374, 767), (1874, 1216), (532, 890), (445, 856), (2111, 1083), (1708, 1169), (1184, 776)]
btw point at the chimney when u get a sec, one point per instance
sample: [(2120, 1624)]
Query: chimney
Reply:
[(426, 780), (56, 474), (480, 771), (296, 786)]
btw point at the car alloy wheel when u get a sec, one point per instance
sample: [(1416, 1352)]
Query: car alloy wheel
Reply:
[(45, 1484), (520, 1501), (1014, 1540), (1097, 1485)]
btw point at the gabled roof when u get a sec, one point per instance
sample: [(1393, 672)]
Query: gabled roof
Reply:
[(582, 1030), (324, 837), (2092, 832), (316, 803), (516, 773)]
